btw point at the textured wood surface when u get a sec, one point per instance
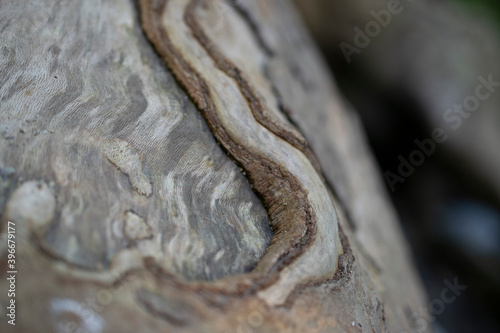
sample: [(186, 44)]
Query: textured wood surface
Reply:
[(89, 110), (134, 219), (305, 243)]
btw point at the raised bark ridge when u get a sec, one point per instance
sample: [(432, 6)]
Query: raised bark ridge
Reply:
[(276, 157)]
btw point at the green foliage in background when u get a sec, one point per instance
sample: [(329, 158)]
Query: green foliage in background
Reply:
[(489, 6)]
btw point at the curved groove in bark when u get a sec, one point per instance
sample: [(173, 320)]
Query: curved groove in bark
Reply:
[(305, 244), (264, 118)]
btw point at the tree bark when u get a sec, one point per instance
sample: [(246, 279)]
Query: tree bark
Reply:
[(188, 166)]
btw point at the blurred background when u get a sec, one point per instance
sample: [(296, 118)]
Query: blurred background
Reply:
[(412, 68)]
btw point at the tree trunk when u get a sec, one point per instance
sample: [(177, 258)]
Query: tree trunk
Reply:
[(188, 166)]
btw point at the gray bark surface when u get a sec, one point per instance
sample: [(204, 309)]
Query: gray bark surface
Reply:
[(129, 215)]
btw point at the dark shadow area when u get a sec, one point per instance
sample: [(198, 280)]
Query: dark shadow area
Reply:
[(423, 60)]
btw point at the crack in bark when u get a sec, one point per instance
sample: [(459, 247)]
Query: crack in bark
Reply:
[(293, 219), (264, 118)]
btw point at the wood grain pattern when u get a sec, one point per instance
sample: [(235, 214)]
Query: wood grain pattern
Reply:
[(305, 244), (132, 218), (89, 109)]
